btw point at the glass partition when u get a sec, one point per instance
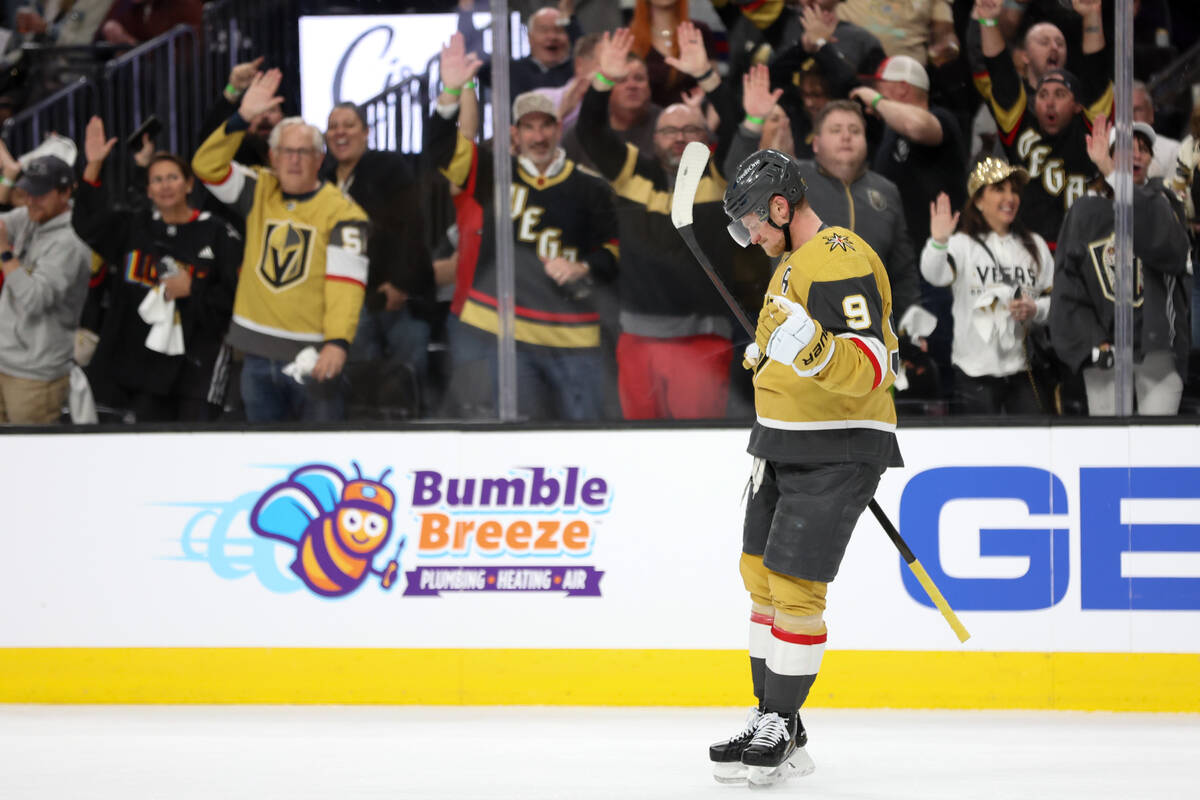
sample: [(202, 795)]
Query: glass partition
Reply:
[(502, 241)]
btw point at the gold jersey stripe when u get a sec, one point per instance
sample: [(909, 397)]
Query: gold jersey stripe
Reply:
[(547, 334)]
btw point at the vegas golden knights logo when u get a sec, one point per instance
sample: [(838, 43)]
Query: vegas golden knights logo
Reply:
[(287, 251), (1104, 261)]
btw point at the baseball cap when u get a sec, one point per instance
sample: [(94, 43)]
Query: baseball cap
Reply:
[(531, 103), (1138, 127), (903, 69), (991, 171), (1062, 76), (44, 174)]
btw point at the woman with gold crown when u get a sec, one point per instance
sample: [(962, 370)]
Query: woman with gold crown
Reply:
[(1000, 273)]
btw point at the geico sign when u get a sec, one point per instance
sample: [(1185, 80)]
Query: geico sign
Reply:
[(1103, 537)]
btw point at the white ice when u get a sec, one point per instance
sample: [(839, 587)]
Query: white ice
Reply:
[(328, 752)]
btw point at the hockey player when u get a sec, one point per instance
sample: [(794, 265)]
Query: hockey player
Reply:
[(824, 357)]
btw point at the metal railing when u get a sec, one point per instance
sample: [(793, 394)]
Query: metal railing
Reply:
[(175, 76), (65, 112), (156, 78)]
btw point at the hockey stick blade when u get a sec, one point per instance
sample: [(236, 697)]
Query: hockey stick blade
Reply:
[(687, 181)]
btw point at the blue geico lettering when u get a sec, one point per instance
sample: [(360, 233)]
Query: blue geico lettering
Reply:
[(1042, 585), (1103, 537)]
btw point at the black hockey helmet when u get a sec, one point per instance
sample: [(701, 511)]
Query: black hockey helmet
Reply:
[(757, 179)]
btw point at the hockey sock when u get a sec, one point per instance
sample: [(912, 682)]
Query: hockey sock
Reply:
[(792, 664), (761, 619)]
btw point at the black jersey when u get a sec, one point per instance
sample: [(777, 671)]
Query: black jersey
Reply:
[(1081, 305), (659, 277), (921, 172), (137, 246), (567, 212), (1059, 167)]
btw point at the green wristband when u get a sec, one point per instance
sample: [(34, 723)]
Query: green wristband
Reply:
[(455, 92), (755, 120), (875, 102), (937, 246), (988, 23), (6, 181), (468, 85), (231, 89), (600, 76)]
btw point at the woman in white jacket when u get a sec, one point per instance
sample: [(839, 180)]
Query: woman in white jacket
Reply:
[(1001, 274)]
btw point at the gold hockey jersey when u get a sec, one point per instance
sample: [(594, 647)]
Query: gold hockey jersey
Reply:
[(304, 267), (833, 404)]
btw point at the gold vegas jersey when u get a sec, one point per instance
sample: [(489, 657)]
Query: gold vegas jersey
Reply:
[(833, 404), (304, 267)]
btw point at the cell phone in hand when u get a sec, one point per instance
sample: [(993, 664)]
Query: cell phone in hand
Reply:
[(150, 126)]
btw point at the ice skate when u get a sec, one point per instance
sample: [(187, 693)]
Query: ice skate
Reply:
[(776, 751), (726, 755)]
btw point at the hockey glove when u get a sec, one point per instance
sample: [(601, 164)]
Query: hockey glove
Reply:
[(792, 334)]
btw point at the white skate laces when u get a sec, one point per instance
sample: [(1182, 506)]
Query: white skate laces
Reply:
[(771, 730), (779, 758), (752, 718)]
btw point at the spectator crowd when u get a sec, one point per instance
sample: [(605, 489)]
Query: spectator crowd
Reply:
[(283, 272)]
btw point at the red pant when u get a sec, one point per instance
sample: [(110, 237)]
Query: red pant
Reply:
[(682, 378)]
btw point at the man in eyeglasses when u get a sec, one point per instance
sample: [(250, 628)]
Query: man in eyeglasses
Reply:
[(304, 269), (674, 350)]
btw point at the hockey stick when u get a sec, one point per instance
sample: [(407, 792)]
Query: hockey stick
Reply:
[(687, 181)]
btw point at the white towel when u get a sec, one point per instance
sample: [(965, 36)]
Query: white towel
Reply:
[(303, 364), (79, 399), (166, 334), (917, 322), (992, 320)]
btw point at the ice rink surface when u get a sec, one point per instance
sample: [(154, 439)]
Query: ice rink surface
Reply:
[(177, 752)]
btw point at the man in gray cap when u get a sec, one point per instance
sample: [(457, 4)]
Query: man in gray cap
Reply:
[(46, 269), (565, 229)]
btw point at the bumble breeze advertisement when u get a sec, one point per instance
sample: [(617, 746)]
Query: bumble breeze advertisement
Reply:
[(458, 532), (1056, 539), (533, 513)]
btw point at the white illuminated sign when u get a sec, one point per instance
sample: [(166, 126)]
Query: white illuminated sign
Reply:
[(355, 58)]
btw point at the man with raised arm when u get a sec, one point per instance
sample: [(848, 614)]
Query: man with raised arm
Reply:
[(1049, 140), (674, 351), (304, 267), (824, 356), (565, 236)]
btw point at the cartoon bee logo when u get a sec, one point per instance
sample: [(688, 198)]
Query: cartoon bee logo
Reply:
[(336, 525)]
